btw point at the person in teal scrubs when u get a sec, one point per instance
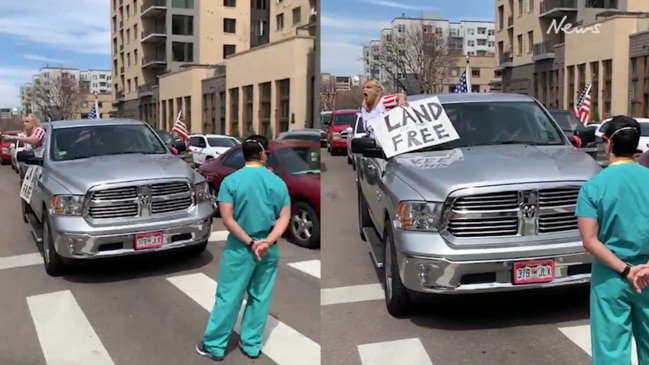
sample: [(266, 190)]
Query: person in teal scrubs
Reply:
[(255, 207), (613, 216)]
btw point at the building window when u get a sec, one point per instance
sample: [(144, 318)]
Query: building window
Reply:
[(260, 4), (248, 109), (222, 100), (279, 19), (182, 4), (182, 25), (284, 103), (229, 25), (229, 49), (265, 109), (297, 15), (602, 4), (234, 112), (475, 72), (182, 51), (188, 112), (230, 3), (519, 45)]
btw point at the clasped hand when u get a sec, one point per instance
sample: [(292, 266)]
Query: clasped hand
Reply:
[(639, 277), (260, 248)]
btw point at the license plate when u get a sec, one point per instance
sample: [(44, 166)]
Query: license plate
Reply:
[(530, 272), (145, 241)]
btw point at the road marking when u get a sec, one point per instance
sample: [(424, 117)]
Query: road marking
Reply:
[(351, 294), (65, 334), (218, 236), (410, 351), (12, 262), (311, 267), (580, 336), (282, 344)]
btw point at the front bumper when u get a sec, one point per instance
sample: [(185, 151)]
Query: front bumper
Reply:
[(74, 238), (486, 270), (339, 143)]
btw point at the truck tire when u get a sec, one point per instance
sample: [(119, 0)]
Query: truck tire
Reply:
[(363, 214), (197, 249), (54, 265), (397, 297)]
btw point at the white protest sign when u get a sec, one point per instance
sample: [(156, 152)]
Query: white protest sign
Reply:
[(423, 123), (435, 160), (27, 188)]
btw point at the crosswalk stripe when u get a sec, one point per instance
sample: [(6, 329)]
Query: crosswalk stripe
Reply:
[(409, 351), (351, 294), (218, 236), (65, 334), (282, 344), (311, 267), (580, 336), (12, 262)]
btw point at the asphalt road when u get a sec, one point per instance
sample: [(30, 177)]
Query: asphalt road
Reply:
[(532, 328), (149, 310)]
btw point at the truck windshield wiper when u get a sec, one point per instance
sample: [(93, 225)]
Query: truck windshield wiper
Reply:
[(530, 143)]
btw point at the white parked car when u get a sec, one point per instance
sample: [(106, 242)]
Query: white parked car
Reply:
[(643, 145), (15, 148), (355, 131), (208, 146)]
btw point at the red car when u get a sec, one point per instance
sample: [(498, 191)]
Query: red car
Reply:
[(340, 120), (298, 164), (5, 148)]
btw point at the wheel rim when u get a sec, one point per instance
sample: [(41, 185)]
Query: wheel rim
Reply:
[(302, 225), (46, 245), (213, 191), (387, 268)]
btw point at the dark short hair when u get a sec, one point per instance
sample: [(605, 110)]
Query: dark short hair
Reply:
[(253, 146), (624, 134)]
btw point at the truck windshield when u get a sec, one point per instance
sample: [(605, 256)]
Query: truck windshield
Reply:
[(103, 140), (566, 120), (495, 123)]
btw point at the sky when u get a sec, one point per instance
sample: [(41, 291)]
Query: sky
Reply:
[(38, 33), (349, 24)]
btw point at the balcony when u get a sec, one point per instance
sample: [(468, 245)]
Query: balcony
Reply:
[(553, 9), (510, 21), (506, 61), (144, 91), (153, 9), (151, 62), (156, 35), (544, 50), (119, 97)]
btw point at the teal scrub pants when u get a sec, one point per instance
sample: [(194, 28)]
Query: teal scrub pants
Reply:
[(241, 273), (616, 312)]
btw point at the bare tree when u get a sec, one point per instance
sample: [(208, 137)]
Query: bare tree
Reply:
[(60, 91), (331, 99), (418, 59), (327, 97)]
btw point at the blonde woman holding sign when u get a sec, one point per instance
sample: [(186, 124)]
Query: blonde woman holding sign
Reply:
[(377, 103)]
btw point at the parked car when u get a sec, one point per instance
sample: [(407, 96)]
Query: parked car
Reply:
[(305, 134), (15, 148), (492, 211), (298, 164), (325, 119), (176, 145), (208, 146), (5, 147), (340, 121), (643, 145), (109, 187), (355, 131)]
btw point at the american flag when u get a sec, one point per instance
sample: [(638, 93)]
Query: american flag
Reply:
[(180, 128), (464, 83), (93, 114), (582, 107)]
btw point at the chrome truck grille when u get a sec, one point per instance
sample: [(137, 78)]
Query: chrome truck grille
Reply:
[(139, 201), (513, 213)]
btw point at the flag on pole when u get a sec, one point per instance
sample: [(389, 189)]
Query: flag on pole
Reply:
[(582, 106), (180, 128), (464, 83), (94, 111)]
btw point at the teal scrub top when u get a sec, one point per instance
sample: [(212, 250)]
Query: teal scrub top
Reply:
[(618, 198), (258, 196)]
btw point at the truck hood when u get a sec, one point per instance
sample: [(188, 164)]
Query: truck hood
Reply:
[(434, 175), (80, 175)]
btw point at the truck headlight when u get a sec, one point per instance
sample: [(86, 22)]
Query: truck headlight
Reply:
[(418, 216), (336, 136), (66, 205), (201, 192)]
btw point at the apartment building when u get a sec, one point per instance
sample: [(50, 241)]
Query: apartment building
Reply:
[(538, 55), (466, 38), (98, 81), (331, 82)]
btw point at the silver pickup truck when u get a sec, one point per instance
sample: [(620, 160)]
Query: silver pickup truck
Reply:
[(492, 211), (110, 187)]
